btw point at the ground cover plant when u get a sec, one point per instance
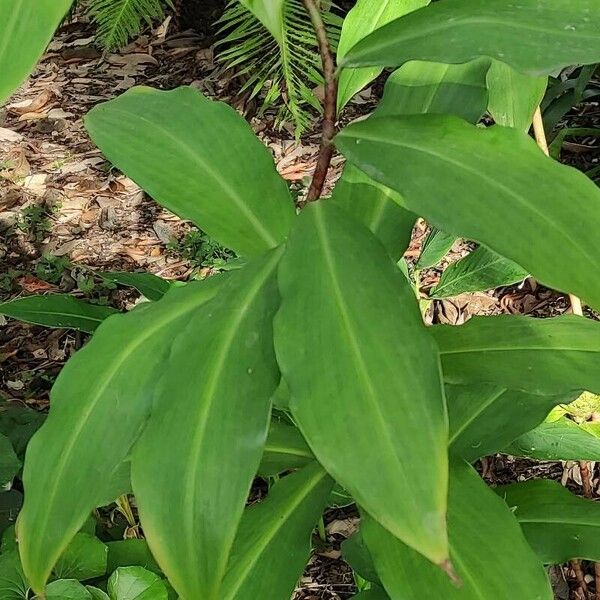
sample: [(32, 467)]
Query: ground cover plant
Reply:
[(309, 362)]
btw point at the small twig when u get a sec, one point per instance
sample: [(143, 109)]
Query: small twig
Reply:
[(584, 467), (330, 103)]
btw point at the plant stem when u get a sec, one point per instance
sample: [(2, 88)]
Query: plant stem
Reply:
[(584, 467), (330, 103)]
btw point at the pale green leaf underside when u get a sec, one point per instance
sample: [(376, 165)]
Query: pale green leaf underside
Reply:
[(386, 395), (482, 190)]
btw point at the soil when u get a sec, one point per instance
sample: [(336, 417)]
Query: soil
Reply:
[(65, 216)]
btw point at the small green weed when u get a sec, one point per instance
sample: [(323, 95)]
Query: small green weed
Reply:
[(201, 250)]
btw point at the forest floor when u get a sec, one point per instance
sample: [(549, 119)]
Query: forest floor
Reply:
[(66, 216)]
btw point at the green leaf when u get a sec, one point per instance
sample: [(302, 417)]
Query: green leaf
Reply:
[(482, 532), (96, 593), (270, 14), (375, 593), (386, 398), (151, 134), (480, 270), (9, 461), (533, 36), (559, 440), (436, 246), (484, 419), (285, 449), (130, 553), (84, 558), (357, 555), (558, 525), (135, 583), (193, 465), (374, 205), (100, 402), (151, 286), (363, 19), (514, 97), (426, 87), (19, 423), (482, 190), (26, 28), (57, 310), (13, 584), (540, 356), (273, 541), (67, 589)]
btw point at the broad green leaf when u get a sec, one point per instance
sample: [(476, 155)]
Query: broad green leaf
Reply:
[(482, 190), (436, 246), (484, 419), (346, 305), (13, 584), (270, 14), (482, 532), (130, 553), (533, 36), (135, 583), (375, 593), (84, 558), (9, 461), (26, 28), (281, 397), (10, 504), (57, 310), (100, 402), (426, 87), (273, 541), (18, 423), (67, 589), (540, 356), (374, 205), (480, 270), (96, 593), (193, 466), (514, 97), (151, 286), (558, 525), (285, 449), (559, 440), (199, 159), (364, 18), (357, 555)]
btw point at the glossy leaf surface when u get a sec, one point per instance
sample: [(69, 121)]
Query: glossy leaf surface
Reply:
[(541, 356), (272, 545), (562, 439), (382, 377), (484, 419), (269, 13), (436, 246), (480, 270), (72, 461), (436, 88), (84, 558), (482, 531), (193, 466), (558, 525), (285, 449), (516, 33), (26, 28), (151, 286), (375, 206), (151, 134), (364, 18), (482, 190), (135, 583)]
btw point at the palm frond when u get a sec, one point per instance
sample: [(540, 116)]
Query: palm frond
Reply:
[(118, 21), (286, 72)]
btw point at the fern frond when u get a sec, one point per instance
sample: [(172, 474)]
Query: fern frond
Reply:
[(118, 21), (286, 71)]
